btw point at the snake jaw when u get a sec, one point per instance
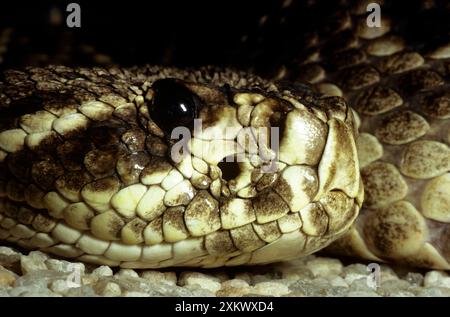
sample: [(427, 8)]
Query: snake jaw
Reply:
[(290, 189)]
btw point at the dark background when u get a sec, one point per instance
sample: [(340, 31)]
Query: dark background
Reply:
[(136, 32), (190, 33)]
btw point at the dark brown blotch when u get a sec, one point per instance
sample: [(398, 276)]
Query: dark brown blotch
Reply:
[(174, 216), (15, 190), (73, 181), (104, 184), (101, 163), (106, 134), (137, 226), (267, 180), (19, 164), (420, 79), (347, 59), (33, 195), (268, 204), (126, 113), (359, 77), (156, 146), (115, 225), (43, 223), (26, 215), (11, 208), (72, 153), (44, 174), (60, 104), (47, 147), (270, 229), (220, 243)]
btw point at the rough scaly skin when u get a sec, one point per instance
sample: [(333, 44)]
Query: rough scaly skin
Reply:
[(86, 173), (402, 96)]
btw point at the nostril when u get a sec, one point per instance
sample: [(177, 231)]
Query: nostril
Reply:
[(230, 170)]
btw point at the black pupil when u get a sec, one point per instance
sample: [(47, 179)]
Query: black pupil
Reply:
[(173, 105)]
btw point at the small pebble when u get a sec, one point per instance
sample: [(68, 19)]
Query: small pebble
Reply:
[(270, 288), (34, 261), (436, 278), (325, 267), (414, 278), (62, 286), (135, 294), (395, 284), (234, 287), (237, 283), (127, 272), (7, 278), (156, 276), (338, 281), (357, 268), (207, 282), (89, 279), (84, 291), (285, 281), (198, 291), (392, 287), (8, 257), (309, 287), (296, 274), (387, 274), (65, 266), (361, 284), (351, 277), (102, 271), (39, 279), (111, 290)]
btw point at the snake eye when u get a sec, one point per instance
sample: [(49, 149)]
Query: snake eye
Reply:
[(173, 105)]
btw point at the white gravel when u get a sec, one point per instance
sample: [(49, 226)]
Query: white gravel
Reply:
[(37, 274)]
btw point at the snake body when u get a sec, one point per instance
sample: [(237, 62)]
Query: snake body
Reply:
[(401, 93), (86, 172)]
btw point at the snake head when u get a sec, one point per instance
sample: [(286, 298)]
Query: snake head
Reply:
[(175, 168), (265, 164)]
